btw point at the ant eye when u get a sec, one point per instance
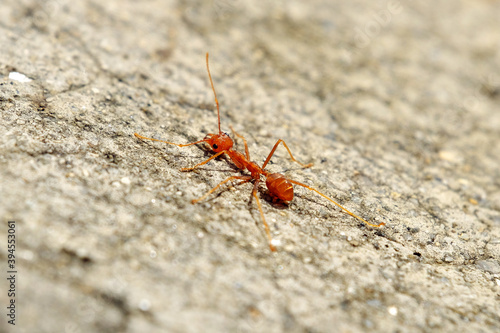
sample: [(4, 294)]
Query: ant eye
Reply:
[(215, 146)]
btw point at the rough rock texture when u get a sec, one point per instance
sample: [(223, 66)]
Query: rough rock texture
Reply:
[(396, 103)]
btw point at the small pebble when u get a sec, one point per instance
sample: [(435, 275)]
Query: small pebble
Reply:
[(19, 77), (392, 310), (276, 242), (144, 304), (125, 181)]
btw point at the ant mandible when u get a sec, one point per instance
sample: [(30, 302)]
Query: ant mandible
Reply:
[(279, 186)]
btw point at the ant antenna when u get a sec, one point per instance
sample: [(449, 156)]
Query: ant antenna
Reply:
[(215, 95)]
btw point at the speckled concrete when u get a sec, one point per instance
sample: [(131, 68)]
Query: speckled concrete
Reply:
[(396, 103)]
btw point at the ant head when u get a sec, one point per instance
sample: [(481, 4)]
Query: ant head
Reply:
[(219, 142)]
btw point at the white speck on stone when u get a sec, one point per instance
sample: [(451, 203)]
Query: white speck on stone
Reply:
[(125, 181), (498, 282), (144, 304), (28, 256), (393, 311), (19, 77), (152, 254), (153, 201), (450, 156), (200, 234), (82, 252), (275, 242)]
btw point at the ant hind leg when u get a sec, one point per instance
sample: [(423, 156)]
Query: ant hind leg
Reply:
[(268, 232), (338, 205)]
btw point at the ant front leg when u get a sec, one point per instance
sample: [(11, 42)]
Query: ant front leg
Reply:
[(170, 143), (184, 145), (204, 162), (289, 152), (244, 141)]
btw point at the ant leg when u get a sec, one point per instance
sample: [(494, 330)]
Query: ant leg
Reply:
[(345, 210), (289, 152), (170, 143), (205, 162), (268, 232), (183, 145), (244, 141), (245, 179)]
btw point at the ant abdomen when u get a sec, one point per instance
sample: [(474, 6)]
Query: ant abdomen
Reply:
[(279, 186)]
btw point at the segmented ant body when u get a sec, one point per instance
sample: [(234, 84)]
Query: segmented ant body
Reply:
[(279, 186)]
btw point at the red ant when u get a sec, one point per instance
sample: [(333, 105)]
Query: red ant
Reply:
[(279, 186)]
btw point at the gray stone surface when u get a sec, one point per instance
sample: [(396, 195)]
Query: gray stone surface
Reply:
[(396, 103)]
